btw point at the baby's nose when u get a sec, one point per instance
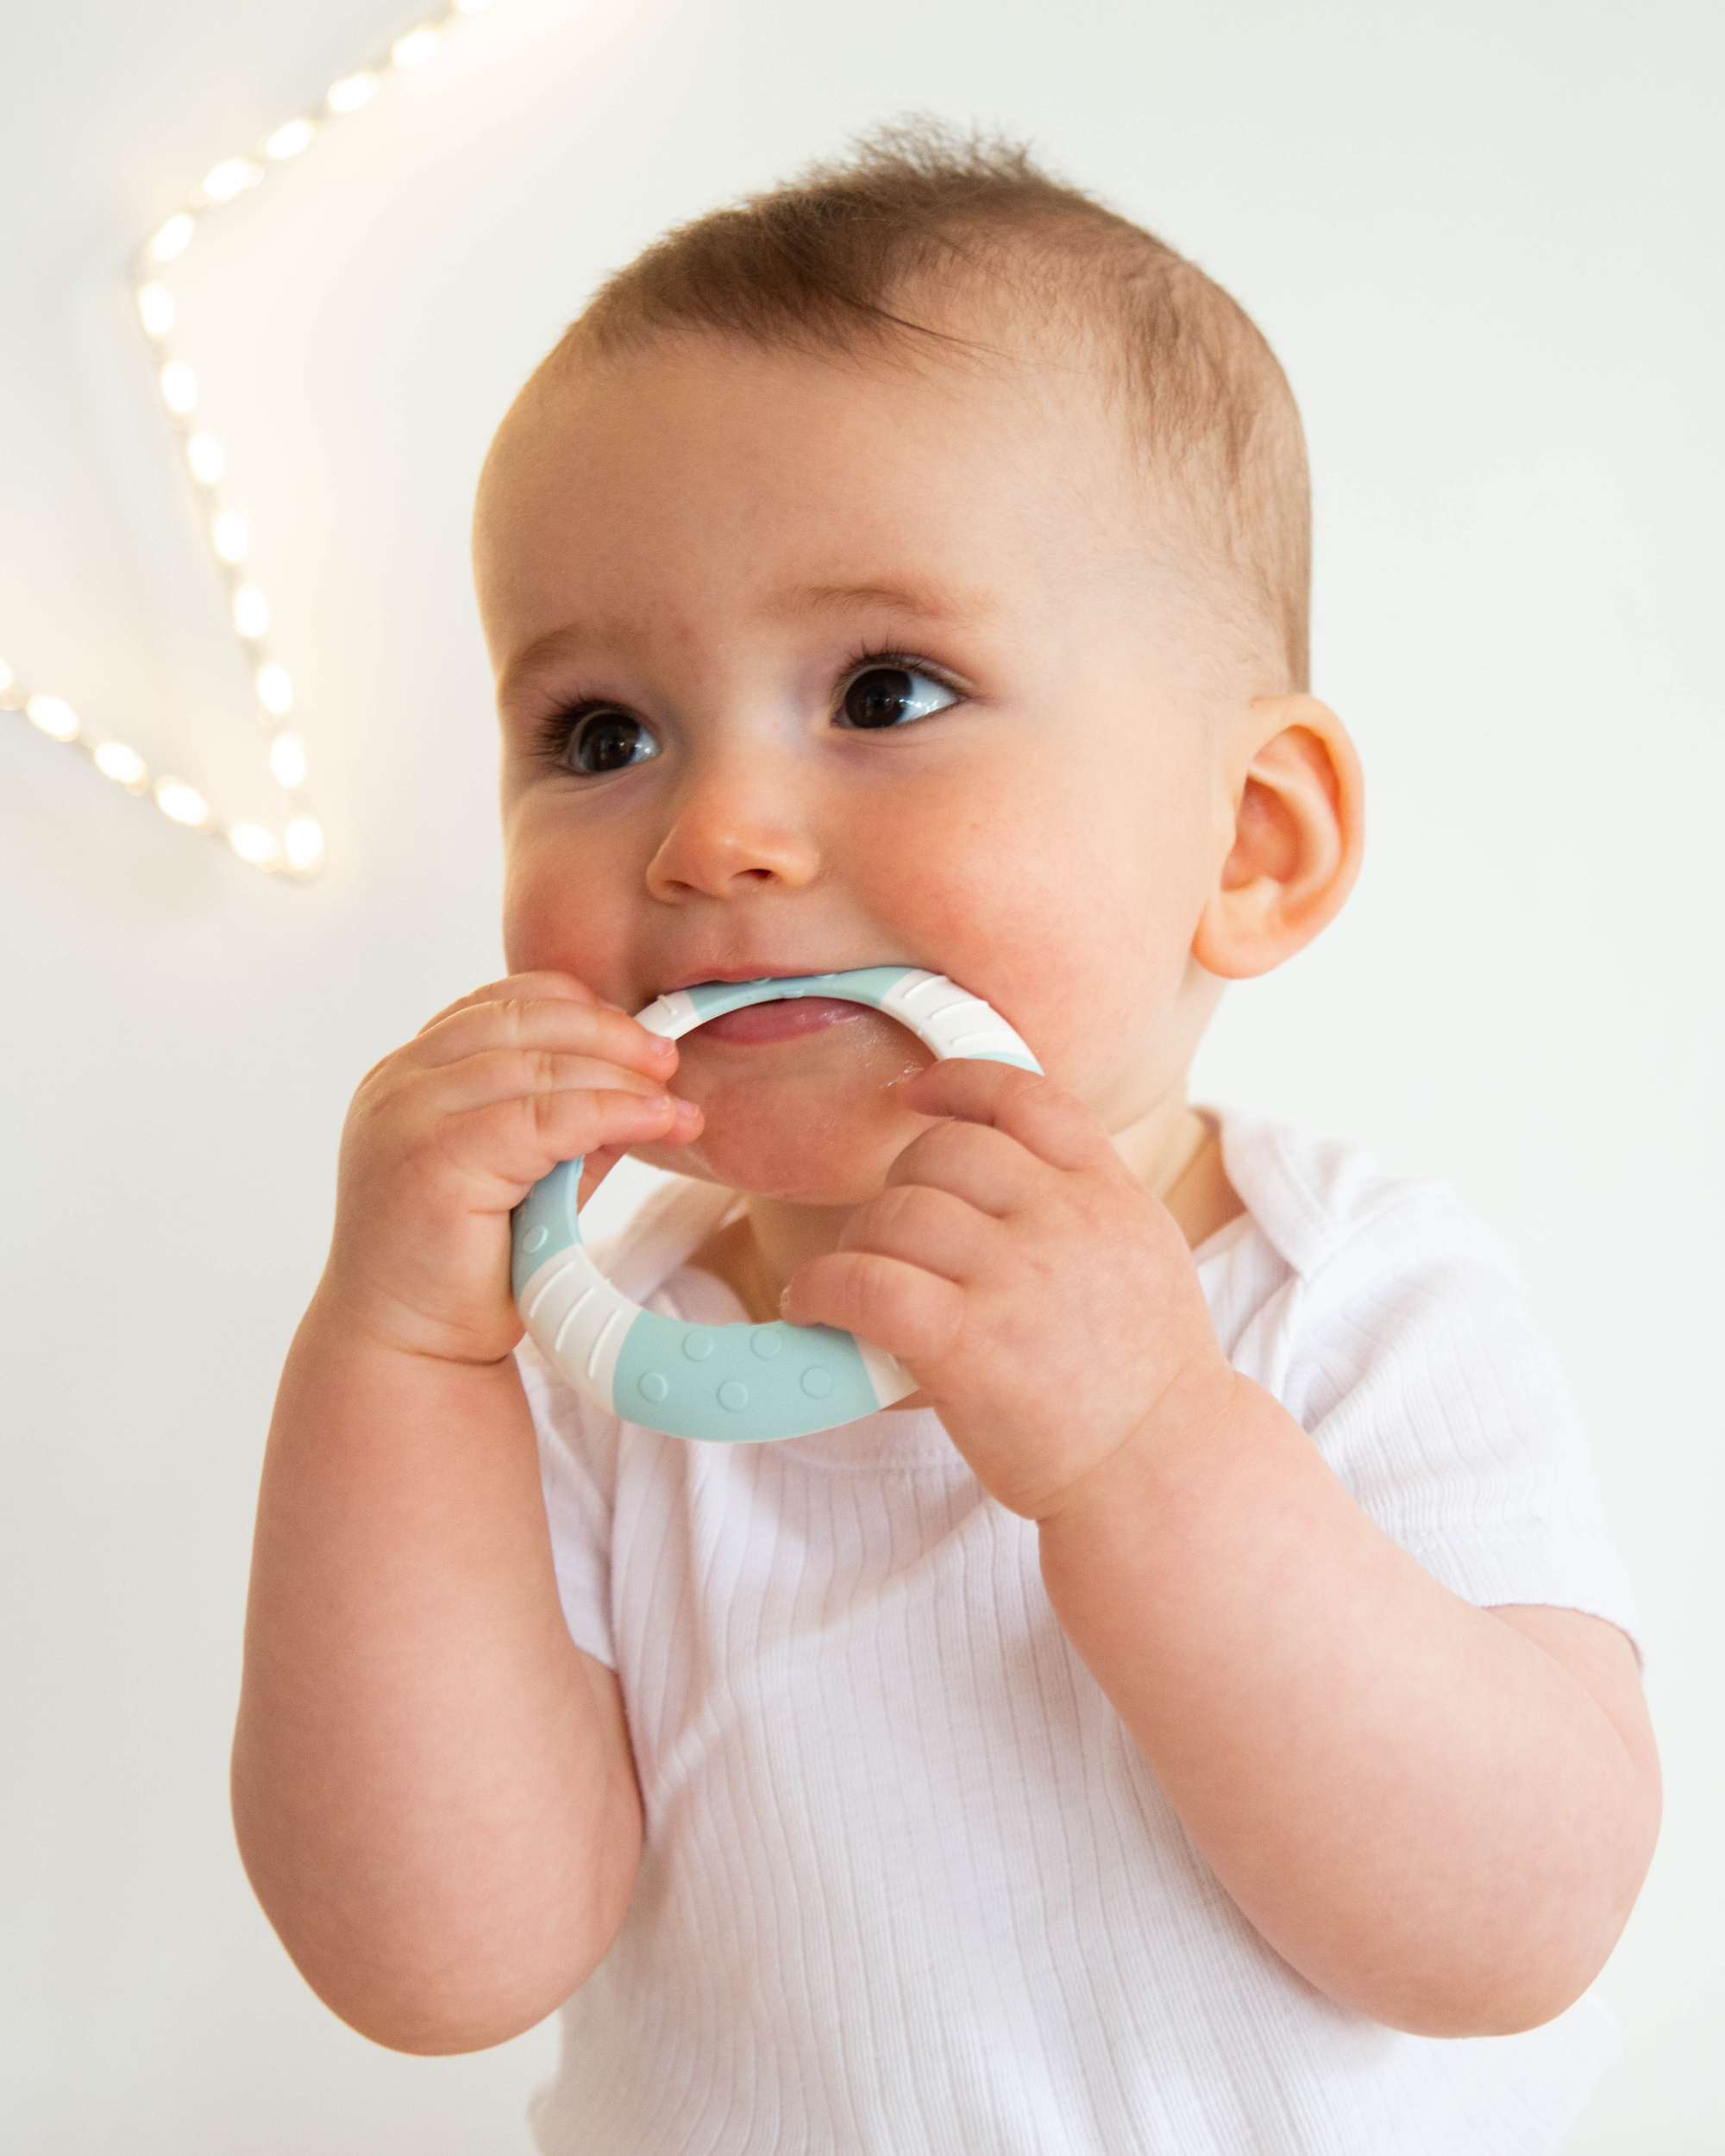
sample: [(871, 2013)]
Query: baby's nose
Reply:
[(730, 834)]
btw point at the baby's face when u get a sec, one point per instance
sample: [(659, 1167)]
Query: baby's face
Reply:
[(808, 664)]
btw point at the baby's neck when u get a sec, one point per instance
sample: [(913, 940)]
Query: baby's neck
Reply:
[(1174, 1153)]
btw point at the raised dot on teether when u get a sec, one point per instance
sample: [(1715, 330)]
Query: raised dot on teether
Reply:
[(817, 1382), (766, 1341), (536, 1238), (733, 1395), (698, 1345), (654, 1384)]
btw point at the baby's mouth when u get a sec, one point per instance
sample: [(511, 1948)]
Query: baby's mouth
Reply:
[(758, 1025)]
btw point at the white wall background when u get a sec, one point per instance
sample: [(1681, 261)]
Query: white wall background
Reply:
[(1486, 241)]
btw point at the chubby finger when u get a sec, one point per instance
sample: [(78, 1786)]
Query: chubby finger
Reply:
[(555, 1025), (519, 987), (1053, 1124), (503, 1074), (518, 1141), (972, 1161), (925, 1227), (911, 1314)]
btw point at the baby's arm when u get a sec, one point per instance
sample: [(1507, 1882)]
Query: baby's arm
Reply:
[(1440, 1815), (433, 1787)]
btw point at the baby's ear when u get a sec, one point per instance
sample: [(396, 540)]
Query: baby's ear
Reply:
[(1298, 832)]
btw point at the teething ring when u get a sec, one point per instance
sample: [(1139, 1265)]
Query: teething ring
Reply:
[(733, 1384)]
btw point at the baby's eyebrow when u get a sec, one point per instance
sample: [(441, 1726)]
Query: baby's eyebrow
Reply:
[(926, 600), (929, 600), (557, 648)]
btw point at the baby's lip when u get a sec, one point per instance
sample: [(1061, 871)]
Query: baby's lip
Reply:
[(756, 969)]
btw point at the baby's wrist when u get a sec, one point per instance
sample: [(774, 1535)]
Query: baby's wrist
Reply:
[(1191, 1417), (352, 1314)]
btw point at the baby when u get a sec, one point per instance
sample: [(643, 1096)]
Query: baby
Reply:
[(1201, 1719)]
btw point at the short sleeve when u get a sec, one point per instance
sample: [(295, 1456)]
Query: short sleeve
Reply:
[(1413, 1357), (577, 1473)]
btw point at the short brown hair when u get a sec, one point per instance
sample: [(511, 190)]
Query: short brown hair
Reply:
[(829, 261)]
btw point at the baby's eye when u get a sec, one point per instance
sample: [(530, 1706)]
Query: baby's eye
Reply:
[(887, 695), (607, 741)]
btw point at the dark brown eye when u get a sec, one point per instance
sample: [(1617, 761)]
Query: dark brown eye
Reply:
[(609, 740), (892, 696)]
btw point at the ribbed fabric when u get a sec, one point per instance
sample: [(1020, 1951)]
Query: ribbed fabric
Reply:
[(906, 1886)]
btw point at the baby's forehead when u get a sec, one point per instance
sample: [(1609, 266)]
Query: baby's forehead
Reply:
[(969, 474)]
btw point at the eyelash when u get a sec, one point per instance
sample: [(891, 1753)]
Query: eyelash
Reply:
[(558, 729), (867, 656)]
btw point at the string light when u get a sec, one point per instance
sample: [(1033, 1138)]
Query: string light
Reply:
[(173, 239), (287, 761), (178, 387), (115, 760), (300, 849), (351, 92), (155, 311), (54, 715), (275, 689), (229, 179), (289, 141), (305, 844), (231, 537), (207, 458), (255, 845), (182, 802), (417, 48)]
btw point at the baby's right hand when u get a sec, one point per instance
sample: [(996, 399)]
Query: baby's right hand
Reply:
[(451, 1131)]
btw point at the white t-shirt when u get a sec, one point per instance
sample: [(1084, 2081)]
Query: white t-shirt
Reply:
[(906, 1886)]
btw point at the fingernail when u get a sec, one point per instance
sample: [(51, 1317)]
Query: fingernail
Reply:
[(661, 1045)]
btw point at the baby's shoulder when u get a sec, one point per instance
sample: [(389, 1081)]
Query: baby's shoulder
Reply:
[(1347, 1276), (1327, 1207)]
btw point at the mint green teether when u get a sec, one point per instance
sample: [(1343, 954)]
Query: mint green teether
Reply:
[(735, 1383)]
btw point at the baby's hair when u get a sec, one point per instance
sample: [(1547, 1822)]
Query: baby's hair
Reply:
[(835, 260)]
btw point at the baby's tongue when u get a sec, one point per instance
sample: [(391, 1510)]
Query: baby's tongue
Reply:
[(758, 1023)]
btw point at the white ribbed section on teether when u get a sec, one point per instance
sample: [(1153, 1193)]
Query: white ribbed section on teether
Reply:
[(670, 1016), (576, 1319), (889, 1377), (950, 1019)]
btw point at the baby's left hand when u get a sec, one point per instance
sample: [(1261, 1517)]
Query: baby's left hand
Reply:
[(1046, 1304)]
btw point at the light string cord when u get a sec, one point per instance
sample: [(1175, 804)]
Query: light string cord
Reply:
[(296, 852)]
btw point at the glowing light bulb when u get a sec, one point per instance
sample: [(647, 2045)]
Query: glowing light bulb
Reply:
[(115, 760), (179, 386), (55, 716), (287, 760), (251, 611), (275, 689), (155, 311), (207, 458), (253, 844), (289, 141), (173, 239), (230, 537), (230, 178), (185, 804), (416, 48), (351, 92), (305, 844)]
